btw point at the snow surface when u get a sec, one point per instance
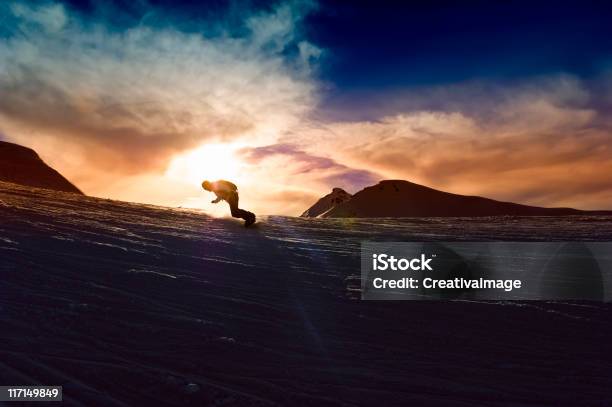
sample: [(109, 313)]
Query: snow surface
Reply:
[(127, 304)]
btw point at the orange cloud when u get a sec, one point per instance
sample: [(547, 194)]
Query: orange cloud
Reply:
[(545, 146)]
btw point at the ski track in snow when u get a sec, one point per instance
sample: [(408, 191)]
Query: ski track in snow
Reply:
[(128, 304)]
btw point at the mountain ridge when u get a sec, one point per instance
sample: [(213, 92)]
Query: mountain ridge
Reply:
[(401, 198), (22, 165), (326, 203)]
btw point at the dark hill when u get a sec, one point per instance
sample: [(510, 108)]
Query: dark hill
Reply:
[(21, 165), (398, 198)]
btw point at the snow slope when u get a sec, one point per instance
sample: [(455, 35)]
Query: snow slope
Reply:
[(127, 304)]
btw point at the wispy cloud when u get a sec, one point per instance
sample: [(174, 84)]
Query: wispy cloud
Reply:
[(310, 169), (129, 97)]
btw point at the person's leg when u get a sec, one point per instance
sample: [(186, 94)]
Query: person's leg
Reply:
[(249, 217), (237, 212)]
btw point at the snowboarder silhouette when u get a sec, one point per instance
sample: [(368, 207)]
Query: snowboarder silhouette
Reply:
[(228, 192)]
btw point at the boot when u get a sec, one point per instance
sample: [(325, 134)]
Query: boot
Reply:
[(250, 220)]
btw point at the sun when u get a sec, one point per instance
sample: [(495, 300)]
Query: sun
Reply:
[(210, 161)]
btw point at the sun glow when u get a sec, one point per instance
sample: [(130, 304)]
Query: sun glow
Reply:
[(210, 161)]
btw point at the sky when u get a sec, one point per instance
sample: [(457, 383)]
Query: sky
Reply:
[(142, 100)]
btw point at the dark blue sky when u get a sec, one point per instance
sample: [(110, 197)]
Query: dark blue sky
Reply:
[(421, 43)]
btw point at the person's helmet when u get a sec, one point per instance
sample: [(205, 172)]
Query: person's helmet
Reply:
[(207, 185)]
